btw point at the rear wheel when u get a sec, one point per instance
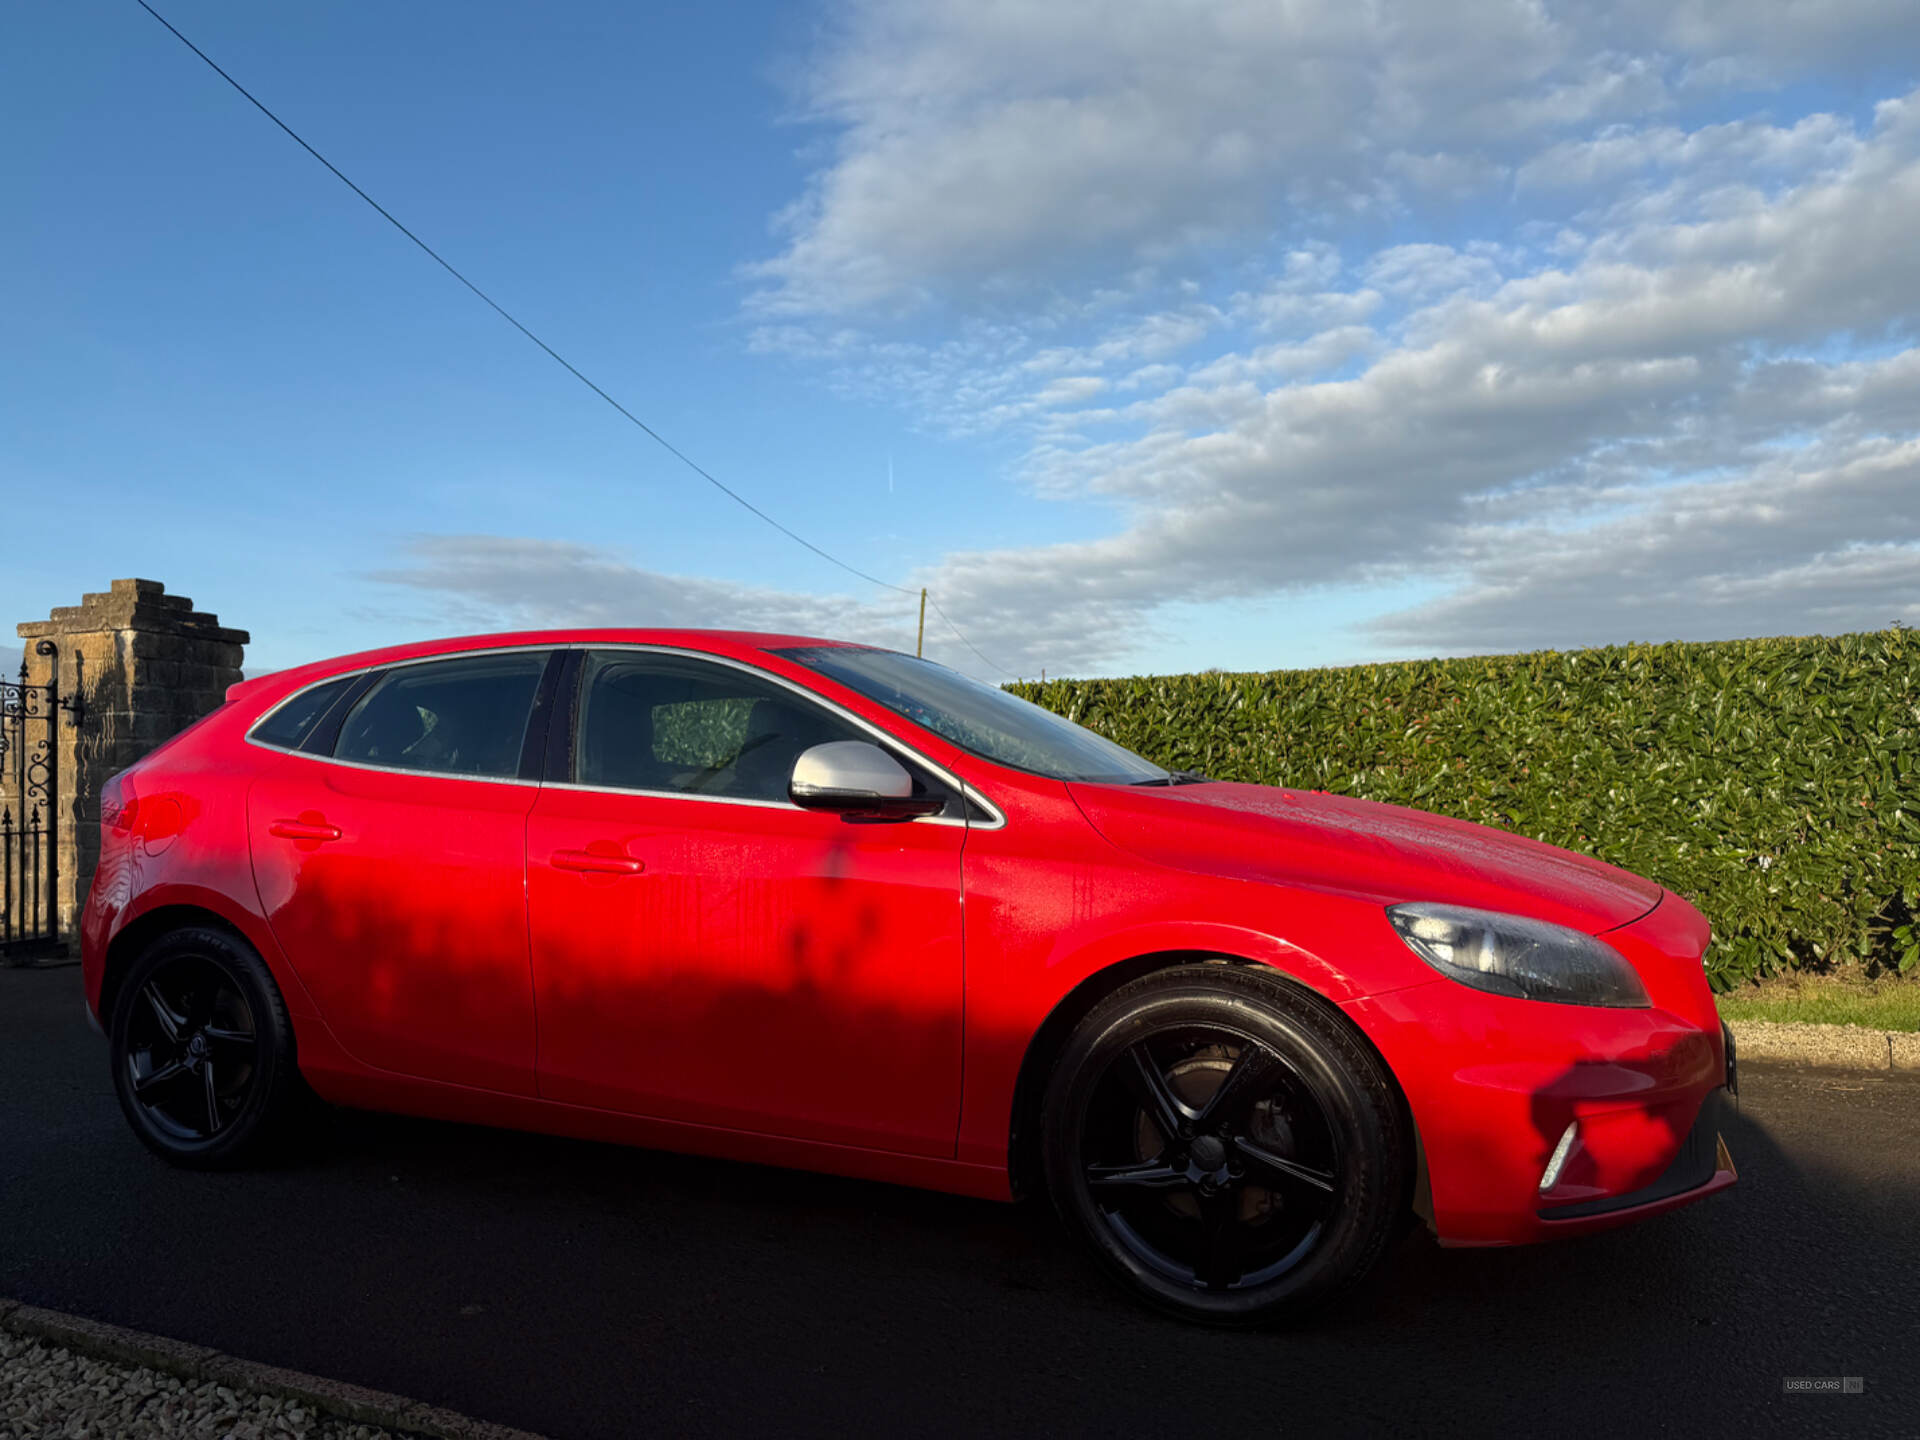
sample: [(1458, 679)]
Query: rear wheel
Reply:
[(1229, 1148), (202, 1051)]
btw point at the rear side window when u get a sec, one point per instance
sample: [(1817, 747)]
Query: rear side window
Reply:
[(294, 720), (457, 717)]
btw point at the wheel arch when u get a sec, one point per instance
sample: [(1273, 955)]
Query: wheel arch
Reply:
[(175, 913), (1036, 1065)]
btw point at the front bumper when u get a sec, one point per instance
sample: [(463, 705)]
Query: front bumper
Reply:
[(1495, 1084), (1700, 1167)]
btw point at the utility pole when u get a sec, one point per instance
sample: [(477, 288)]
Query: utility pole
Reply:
[(920, 641)]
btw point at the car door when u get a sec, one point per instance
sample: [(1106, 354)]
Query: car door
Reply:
[(706, 951), (390, 855)]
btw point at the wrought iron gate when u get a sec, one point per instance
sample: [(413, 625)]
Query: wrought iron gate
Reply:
[(30, 800)]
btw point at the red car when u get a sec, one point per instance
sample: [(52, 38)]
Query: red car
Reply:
[(829, 906)]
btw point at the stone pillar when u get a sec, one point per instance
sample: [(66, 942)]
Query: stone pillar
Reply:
[(149, 665)]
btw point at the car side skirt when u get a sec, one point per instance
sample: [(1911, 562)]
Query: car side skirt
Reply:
[(379, 1090)]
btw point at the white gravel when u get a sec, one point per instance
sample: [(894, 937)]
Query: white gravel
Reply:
[(49, 1391)]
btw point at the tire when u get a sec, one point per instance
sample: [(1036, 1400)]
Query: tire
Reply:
[(1229, 1148), (201, 1050)]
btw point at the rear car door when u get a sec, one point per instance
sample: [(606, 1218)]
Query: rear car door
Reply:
[(389, 853), (706, 951)]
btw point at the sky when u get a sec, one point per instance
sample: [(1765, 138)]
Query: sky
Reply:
[(1149, 337)]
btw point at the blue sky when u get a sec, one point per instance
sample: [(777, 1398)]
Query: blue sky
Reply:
[(1189, 335)]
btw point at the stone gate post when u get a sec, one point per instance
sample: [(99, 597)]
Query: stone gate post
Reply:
[(149, 665)]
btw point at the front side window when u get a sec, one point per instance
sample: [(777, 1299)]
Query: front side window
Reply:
[(666, 723), (466, 716), (978, 718)]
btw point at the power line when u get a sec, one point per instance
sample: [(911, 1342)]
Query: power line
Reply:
[(501, 311), (964, 640), (553, 354)]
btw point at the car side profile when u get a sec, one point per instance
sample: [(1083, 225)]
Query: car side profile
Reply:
[(797, 902)]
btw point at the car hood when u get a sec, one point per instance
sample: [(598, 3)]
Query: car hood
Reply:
[(1333, 842)]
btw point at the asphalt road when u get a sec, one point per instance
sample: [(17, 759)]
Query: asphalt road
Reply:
[(587, 1291)]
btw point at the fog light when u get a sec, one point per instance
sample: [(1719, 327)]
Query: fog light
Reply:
[(1557, 1161)]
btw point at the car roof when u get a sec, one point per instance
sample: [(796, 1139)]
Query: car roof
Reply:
[(737, 643)]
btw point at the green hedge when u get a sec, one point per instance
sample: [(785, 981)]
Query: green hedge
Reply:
[(1775, 783)]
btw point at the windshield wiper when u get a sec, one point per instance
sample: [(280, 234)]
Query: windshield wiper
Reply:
[(1176, 777)]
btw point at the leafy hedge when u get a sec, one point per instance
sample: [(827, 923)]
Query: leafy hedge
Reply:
[(1775, 783)]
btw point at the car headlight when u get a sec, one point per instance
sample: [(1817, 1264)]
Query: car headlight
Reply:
[(1512, 955)]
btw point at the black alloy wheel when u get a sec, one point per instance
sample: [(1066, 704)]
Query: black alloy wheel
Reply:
[(202, 1051), (1232, 1151)]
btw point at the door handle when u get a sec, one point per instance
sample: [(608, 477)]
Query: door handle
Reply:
[(590, 862), (304, 830)]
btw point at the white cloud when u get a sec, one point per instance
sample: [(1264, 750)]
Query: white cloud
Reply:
[(529, 584), (1778, 551), (492, 582), (1715, 153), (1500, 432), (1659, 379), (1745, 38), (985, 151), (1423, 271), (987, 148)]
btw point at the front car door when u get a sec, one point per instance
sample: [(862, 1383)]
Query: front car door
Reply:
[(390, 859), (705, 951)]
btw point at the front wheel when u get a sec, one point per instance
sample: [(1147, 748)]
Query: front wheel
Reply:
[(202, 1050), (1232, 1151)]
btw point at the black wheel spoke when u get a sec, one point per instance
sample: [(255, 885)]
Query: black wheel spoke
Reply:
[(1148, 1175), (1150, 1088), (170, 1021), (213, 1099), (1210, 1161), (1246, 1082), (1220, 1251), (160, 1075), (192, 1033), (1279, 1168)]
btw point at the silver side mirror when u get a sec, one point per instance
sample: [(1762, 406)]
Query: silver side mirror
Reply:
[(856, 779)]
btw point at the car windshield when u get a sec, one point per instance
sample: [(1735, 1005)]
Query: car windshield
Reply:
[(978, 718)]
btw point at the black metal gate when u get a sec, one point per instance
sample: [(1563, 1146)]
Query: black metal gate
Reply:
[(30, 797)]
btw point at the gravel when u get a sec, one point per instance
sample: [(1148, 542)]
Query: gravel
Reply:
[(47, 1390)]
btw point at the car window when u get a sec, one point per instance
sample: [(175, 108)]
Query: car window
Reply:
[(979, 718), (461, 717), (661, 722), (292, 722)]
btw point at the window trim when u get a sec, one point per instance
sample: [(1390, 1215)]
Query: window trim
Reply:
[(564, 718), (319, 720), (279, 705), (370, 675), (546, 705), (325, 734), (970, 795)]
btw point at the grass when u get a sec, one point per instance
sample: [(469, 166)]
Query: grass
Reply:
[(1824, 1000)]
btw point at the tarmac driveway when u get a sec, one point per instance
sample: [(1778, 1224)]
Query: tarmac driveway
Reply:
[(587, 1291)]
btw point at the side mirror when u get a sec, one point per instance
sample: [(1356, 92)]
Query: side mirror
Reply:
[(857, 780)]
